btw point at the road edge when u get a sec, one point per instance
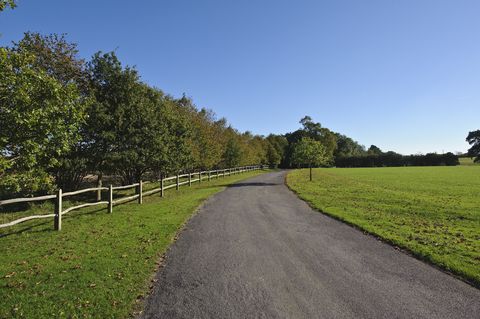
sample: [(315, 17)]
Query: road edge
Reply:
[(405, 250)]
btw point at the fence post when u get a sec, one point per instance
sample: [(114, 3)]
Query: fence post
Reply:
[(209, 175), (99, 192), (189, 179), (161, 186), (140, 192), (178, 181), (58, 211), (110, 199), (199, 176)]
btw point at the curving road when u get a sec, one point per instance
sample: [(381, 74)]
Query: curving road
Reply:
[(256, 251)]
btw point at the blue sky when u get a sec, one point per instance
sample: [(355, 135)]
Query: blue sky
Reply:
[(403, 75)]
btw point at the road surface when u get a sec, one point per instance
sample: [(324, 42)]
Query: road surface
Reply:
[(256, 251)]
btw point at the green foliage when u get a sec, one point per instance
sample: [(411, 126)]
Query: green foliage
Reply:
[(26, 182), (206, 145), (57, 57), (308, 152), (473, 139), (347, 147), (132, 128), (232, 155), (374, 150), (432, 211), (40, 117), (467, 161), (394, 159), (7, 4), (273, 158), (66, 118), (316, 132)]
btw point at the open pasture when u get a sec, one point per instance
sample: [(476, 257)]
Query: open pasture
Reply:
[(434, 212)]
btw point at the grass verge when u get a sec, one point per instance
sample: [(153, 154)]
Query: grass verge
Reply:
[(432, 212), (100, 264)]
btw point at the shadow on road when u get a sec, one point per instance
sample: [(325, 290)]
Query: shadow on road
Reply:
[(253, 184)]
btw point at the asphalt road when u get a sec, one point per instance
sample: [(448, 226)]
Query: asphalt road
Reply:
[(257, 251)]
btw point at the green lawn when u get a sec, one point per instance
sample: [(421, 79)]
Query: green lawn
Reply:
[(432, 211), (100, 265)]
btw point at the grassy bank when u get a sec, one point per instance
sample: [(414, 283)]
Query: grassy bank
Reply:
[(432, 211), (100, 264)]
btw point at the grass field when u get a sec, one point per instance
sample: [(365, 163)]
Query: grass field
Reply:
[(432, 211), (99, 265)]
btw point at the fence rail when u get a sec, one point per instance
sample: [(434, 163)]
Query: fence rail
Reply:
[(59, 211)]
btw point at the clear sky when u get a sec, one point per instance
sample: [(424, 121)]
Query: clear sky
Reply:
[(403, 75)]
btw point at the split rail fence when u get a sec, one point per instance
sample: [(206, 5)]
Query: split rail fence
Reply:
[(165, 183)]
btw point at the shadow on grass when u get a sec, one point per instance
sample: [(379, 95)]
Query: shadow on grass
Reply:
[(41, 226), (38, 224)]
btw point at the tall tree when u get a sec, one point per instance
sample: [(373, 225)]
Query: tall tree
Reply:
[(233, 153), (58, 58), (374, 150), (133, 128), (316, 132), (273, 158), (473, 139), (40, 121), (347, 147), (310, 153)]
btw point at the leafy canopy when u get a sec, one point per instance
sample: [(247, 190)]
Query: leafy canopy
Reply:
[(308, 152), (473, 139), (7, 3), (40, 117)]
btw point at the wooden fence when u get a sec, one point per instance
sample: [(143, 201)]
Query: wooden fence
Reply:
[(165, 183)]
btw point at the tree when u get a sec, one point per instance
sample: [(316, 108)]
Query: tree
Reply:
[(233, 153), (40, 118), (316, 132), (132, 128), (7, 3), (280, 144), (59, 59), (473, 139), (308, 152), (56, 56), (374, 150), (347, 147), (206, 147), (273, 158)]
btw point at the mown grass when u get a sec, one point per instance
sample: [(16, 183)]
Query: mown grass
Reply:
[(432, 211), (100, 264)]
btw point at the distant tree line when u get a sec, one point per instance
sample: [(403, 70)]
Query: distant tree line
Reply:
[(395, 159), (342, 151)]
